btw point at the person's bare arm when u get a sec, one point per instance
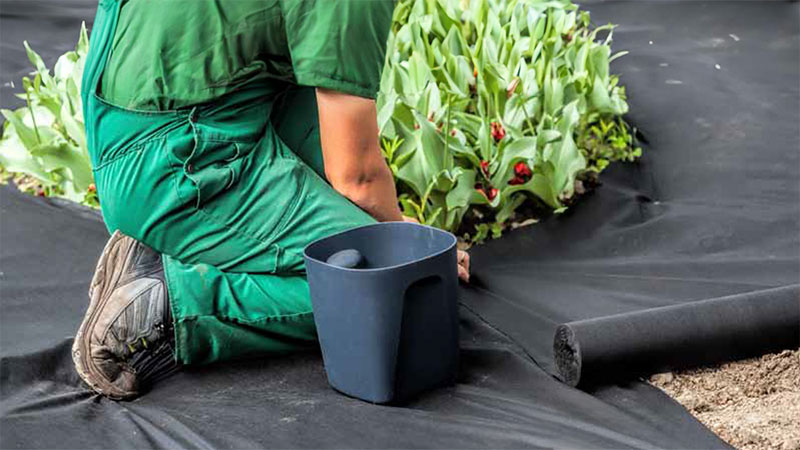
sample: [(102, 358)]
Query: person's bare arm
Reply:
[(354, 164)]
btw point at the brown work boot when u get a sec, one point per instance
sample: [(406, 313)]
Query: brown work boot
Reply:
[(126, 341)]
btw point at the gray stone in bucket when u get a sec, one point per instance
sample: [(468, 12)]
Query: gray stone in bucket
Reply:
[(349, 259)]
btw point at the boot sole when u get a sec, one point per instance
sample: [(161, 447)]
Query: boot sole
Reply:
[(104, 276)]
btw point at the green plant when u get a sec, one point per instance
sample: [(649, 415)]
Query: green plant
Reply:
[(486, 104), (43, 146), (491, 112)]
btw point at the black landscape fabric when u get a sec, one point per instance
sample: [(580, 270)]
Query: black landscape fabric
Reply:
[(712, 210)]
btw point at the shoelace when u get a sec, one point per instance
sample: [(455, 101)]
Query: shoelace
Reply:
[(133, 348), (143, 343), (158, 361)]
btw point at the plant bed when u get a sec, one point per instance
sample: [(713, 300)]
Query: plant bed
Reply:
[(43, 145), (496, 112)]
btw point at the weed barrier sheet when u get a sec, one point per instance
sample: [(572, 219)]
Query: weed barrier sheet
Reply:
[(711, 211)]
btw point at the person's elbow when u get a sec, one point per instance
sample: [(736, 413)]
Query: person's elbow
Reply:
[(361, 184)]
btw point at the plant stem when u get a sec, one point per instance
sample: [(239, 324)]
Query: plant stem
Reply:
[(33, 117)]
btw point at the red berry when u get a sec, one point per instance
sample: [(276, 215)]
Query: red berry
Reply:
[(522, 170), (490, 193), (516, 180), (453, 132), (485, 167), (498, 132)]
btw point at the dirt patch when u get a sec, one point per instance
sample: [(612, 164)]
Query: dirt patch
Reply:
[(751, 404)]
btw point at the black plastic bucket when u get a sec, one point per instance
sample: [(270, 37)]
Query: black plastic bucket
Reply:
[(389, 329)]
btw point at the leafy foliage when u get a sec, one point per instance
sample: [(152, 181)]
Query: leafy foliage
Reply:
[(487, 104), (490, 112), (44, 143)]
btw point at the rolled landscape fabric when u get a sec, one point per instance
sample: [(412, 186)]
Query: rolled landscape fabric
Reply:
[(615, 348)]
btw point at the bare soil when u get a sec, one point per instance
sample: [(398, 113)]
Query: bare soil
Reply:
[(751, 404)]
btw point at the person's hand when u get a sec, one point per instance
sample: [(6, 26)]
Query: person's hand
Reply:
[(462, 257), (463, 265)]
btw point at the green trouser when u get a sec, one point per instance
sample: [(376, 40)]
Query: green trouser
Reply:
[(230, 193)]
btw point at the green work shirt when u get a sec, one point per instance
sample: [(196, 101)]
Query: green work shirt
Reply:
[(169, 54)]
